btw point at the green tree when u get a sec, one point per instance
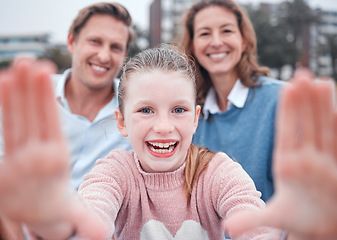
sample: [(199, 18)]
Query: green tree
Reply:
[(275, 48), (59, 55), (141, 41), (5, 64), (299, 17)]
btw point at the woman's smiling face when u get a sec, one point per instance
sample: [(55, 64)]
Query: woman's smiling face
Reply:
[(160, 118), (217, 43)]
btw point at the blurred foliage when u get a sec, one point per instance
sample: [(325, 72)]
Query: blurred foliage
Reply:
[(283, 33), (299, 16), (4, 64), (59, 55), (274, 47), (140, 42)]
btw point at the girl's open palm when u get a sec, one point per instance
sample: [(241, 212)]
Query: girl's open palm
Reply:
[(305, 166), (35, 169), (34, 172)]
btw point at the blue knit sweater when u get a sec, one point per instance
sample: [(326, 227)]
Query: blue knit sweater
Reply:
[(246, 134)]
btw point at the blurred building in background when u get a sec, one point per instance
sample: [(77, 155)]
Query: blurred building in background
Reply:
[(165, 19), (313, 31), (316, 37), (31, 44), (324, 47), (295, 35)]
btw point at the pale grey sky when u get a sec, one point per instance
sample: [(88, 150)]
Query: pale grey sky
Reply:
[(55, 16)]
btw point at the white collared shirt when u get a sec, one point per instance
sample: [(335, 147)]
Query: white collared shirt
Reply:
[(237, 97), (87, 141)]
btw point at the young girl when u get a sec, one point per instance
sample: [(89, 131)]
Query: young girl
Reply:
[(166, 188)]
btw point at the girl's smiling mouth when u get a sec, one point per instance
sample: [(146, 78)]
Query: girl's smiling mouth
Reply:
[(162, 148)]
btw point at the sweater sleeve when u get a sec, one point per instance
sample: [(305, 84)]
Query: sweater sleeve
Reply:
[(233, 191), (105, 187)]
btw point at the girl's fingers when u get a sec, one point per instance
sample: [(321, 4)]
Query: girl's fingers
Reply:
[(286, 119), (306, 108), (325, 117), (335, 136), (9, 131), (44, 122), (289, 110), (243, 222), (286, 131), (28, 105)]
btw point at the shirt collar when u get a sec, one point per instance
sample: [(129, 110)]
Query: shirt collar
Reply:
[(60, 82), (237, 97), (60, 87)]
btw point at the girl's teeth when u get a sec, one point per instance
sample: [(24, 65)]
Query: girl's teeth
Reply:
[(163, 150), (162, 147)]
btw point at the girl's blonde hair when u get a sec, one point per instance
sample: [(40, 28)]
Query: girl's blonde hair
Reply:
[(248, 68), (168, 58)]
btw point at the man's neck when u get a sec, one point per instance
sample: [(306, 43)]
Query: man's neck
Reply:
[(87, 102)]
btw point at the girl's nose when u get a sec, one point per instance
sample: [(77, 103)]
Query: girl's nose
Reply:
[(163, 125)]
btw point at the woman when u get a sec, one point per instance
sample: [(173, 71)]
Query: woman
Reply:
[(237, 98)]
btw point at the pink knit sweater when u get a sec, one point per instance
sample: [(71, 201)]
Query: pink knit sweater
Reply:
[(139, 205)]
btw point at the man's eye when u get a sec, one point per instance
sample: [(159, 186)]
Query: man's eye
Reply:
[(146, 110), (116, 47), (179, 110)]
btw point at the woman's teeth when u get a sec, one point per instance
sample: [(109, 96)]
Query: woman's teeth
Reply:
[(218, 55)]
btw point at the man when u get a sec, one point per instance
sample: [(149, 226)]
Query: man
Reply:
[(98, 40)]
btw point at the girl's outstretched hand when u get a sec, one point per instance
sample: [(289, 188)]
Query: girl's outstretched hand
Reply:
[(304, 164), (34, 172)]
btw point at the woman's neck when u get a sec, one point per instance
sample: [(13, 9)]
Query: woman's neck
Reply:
[(223, 85)]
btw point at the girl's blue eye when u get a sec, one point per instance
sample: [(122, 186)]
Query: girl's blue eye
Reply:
[(179, 110), (146, 110)]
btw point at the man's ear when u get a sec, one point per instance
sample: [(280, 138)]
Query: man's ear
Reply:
[(196, 118), (120, 123), (70, 43)]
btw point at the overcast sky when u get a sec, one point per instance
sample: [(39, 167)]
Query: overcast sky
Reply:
[(55, 16)]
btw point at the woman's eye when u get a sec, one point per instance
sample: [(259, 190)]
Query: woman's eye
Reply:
[(204, 34), (146, 110), (179, 110)]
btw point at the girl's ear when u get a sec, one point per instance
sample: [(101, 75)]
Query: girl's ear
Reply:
[(120, 123), (196, 118)]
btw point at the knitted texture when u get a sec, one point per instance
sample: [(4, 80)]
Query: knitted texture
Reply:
[(139, 205)]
